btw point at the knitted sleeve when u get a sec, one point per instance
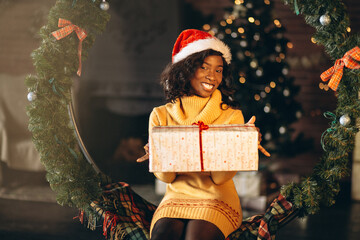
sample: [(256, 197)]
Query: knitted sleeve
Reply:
[(154, 120), (237, 118)]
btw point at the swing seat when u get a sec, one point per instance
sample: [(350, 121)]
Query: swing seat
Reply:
[(126, 215)]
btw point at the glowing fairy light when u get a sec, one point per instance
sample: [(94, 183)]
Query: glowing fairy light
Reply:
[(206, 27), (277, 23)]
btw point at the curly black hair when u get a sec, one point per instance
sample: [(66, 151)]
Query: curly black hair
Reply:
[(175, 79)]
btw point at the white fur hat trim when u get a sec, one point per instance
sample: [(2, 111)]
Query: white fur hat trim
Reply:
[(201, 45)]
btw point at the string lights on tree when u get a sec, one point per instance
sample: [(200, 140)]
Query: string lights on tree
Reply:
[(263, 87)]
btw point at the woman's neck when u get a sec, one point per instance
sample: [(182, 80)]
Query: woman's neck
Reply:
[(190, 109)]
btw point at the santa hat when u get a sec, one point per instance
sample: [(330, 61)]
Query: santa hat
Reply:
[(192, 41)]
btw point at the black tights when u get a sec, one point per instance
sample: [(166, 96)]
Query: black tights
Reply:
[(185, 229)]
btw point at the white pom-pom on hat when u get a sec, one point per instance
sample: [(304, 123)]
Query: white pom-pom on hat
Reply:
[(191, 41)]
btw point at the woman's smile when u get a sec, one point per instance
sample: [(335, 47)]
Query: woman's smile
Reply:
[(208, 76), (207, 86)]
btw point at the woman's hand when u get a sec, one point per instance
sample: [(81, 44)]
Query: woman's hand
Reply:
[(146, 156), (263, 150)]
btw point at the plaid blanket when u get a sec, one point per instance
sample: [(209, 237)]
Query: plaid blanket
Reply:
[(264, 226), (127, 216)]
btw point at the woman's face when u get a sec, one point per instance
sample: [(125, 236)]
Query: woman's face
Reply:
[(208, 76)]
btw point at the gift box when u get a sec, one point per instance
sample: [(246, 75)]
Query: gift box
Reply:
[(196, 148)]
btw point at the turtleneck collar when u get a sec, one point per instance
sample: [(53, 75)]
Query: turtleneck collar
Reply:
[(190, 109)]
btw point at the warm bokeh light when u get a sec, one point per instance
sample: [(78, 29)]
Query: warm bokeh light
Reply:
[(251, 19), (267, 2), (241, 30), (206, 27), (241, 74), (257, 97), (257, 22), (267, 89), (238, 2), (229, 21), (223, 23), (290, 45), (242, 80), (313, 40), (228, 30), (253, 64), (277, 23), (272, 84), (348, 29)]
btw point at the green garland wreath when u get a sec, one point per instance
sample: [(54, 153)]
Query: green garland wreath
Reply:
[(69, 174), (77, 183), (338, 141)]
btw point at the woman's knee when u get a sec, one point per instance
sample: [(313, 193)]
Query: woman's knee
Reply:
[(168, 228), (200, 229)]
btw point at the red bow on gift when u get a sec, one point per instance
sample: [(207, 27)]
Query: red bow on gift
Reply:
[(67, 28), (202, 126), (335, 73)]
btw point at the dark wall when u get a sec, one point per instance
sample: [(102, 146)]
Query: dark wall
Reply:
[(120, 84)]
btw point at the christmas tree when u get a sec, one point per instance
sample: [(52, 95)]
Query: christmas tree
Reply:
[(260, 71)]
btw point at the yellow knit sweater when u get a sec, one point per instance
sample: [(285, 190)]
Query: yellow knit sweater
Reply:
[(209, 196)]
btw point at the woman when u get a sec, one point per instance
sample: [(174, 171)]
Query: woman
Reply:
[(197, 205)]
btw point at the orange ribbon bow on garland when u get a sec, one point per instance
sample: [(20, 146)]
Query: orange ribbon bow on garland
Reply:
[(336, 72), (67, 28)]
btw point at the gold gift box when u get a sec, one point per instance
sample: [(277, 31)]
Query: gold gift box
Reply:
[(224, 148)]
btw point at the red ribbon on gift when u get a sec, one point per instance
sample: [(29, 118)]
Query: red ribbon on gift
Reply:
[(336, 72), (202, 126), (66, 28)]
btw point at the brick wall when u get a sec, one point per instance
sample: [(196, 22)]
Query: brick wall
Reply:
[(314, 100)]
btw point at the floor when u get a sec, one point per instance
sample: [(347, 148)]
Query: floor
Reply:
[(28, 211)]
